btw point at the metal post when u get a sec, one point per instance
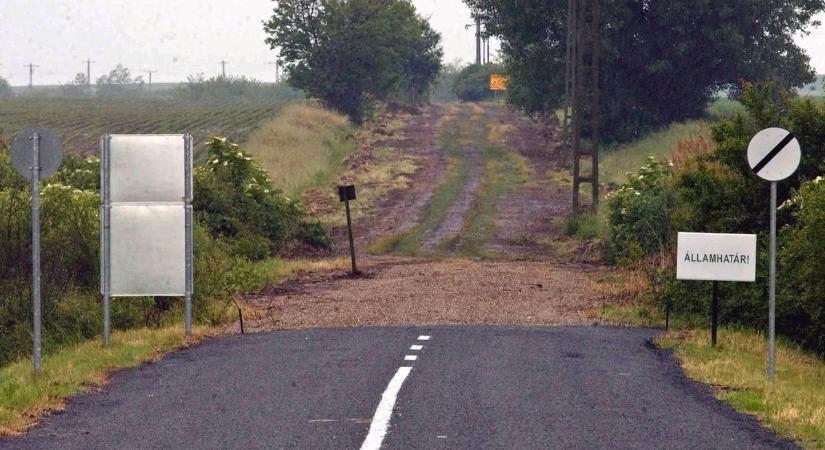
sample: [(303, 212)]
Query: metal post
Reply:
[(772, 290), (187, 319), (105, 237), (478, 40), (351, 241), (714, 311), (36, 249)]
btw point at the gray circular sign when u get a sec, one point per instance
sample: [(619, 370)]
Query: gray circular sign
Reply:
[(22, 152), (774, 154)]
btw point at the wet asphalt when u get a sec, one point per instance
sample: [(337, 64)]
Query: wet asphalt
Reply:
[(470, 388)]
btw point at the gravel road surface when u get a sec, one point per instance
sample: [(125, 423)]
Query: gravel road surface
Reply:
[(468, 387)]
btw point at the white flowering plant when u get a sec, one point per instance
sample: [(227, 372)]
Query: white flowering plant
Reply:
[(235, 199), (639, 211)]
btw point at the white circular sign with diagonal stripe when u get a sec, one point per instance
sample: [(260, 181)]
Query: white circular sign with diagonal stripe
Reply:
[(774, 154)]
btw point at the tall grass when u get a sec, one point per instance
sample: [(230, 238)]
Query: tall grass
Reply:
[(794, 405), (629, 157), (302, 147)]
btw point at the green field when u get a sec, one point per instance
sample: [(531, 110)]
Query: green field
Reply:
[(81, 122)]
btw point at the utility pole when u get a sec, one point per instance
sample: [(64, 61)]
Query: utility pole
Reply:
[(477, 24), (277, 65), (31, 74), (89, 63), (150, 72), (478, 40), (585, 101), (223, 67)]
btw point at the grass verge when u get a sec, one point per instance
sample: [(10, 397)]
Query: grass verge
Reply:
[(409, 243), (615, 164), (793, 406), (503, 171), (25, 397), (302, 147)]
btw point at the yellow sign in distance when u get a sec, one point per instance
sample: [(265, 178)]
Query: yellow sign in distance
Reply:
[(498, 82)]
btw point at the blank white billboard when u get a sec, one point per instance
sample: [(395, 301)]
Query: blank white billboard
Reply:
[(147, 235)]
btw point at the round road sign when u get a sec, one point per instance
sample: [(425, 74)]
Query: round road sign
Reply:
[(774, 154), (22, 152)]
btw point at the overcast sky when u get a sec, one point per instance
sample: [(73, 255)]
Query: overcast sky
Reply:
[(177, 38)]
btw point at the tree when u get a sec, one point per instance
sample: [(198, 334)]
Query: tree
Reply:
[(5, 89), (473, 82), (78, 87), (661, 60), (119, 83), (350, 53)]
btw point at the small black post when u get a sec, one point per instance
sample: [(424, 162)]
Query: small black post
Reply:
[(240, 317), (714, 321), (667, 315), (351, 242), (345, 194)]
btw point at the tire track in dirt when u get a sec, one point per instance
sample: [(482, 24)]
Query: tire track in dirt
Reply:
[(525, 223), (454, 221)]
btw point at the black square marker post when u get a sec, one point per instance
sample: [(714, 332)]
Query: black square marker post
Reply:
[(345, 194)]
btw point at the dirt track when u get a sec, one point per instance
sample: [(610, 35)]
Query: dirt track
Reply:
[(519, 281)]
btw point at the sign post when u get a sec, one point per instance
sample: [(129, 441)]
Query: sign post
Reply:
[(36, 153), (345, 194), (773, 155), (146, 217), (716, 257)]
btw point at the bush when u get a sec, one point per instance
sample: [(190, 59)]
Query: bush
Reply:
[(220, 88), (639, 212), (5, 89), (472, 84), (714, 190), (235, 200), (240, 219)]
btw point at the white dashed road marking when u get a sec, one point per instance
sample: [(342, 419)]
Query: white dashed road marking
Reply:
[(381, 420)]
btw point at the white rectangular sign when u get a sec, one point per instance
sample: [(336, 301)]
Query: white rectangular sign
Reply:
[(716, 257), (147, 178)]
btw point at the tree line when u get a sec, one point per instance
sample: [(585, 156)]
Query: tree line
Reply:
[(661, 61)]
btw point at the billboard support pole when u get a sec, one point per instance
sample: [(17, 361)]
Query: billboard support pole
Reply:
[(187, 319), (36, 306), (105, 237)]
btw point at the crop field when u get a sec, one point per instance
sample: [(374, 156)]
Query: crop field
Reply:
[(81, 122)]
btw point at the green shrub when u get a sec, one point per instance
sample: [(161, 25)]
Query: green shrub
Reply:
[(639, 212), (230, 88), (235, 199), (472, 84), (717, 192), (240, 219)]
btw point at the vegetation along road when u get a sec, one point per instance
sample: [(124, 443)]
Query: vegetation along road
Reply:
[(455, 250)]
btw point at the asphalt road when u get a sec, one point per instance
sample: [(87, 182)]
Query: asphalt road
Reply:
[(469, 387)]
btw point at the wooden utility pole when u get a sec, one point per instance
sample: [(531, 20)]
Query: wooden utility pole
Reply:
[(89, 63), (478, 40), (150, 72), (585, 100), (31, 74)]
